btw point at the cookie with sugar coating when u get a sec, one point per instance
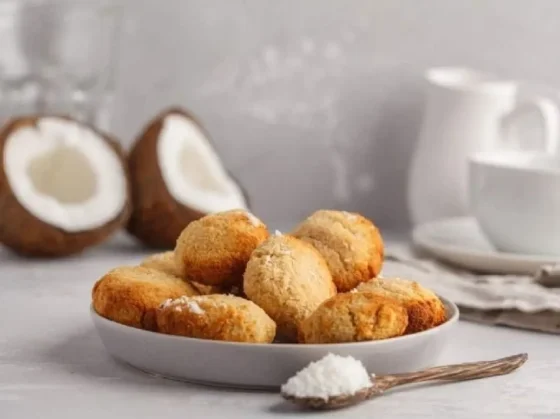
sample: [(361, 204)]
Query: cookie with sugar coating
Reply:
[(130, 295), (425, 309), (350, 243), (354, 317), (215, 249), (289, 279), (216, 317)]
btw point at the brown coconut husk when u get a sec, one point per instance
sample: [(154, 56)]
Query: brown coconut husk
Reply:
[(25, 234), (158, 219)]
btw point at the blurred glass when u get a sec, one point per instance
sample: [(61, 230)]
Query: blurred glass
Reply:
[(59, 56)]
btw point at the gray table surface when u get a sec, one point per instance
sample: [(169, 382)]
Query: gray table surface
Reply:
[(53, 365)]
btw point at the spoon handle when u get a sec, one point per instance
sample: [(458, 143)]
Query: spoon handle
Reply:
[(457, 372)]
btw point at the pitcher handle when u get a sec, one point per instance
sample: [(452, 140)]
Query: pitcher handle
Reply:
[(549, 114)]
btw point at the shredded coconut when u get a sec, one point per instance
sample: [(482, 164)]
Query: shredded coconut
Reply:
[(173, 302), (194, 307), (190, 303), (254, 220), (251, 217), (277, 233), (166, 303), (331, 376)]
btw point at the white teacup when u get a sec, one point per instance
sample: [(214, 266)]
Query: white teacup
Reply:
[(515, 197)]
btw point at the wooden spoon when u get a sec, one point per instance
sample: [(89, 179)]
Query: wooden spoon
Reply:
[(456, 372)]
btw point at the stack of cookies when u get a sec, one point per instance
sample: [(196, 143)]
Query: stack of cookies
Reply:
[(229, 278)]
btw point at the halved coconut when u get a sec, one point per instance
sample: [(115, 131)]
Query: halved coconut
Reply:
[(177, 177), (63, 186)]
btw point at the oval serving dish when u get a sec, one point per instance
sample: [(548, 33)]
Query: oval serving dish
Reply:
[(263, 366)]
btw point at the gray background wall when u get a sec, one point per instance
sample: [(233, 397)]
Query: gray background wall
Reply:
[(317, 103)]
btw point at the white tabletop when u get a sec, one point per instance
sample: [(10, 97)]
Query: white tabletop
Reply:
[(52, 364)]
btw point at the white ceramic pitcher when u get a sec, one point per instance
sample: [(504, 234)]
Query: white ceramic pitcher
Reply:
[(467, 112)]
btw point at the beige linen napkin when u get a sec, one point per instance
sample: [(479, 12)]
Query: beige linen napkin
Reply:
[(527, 302)]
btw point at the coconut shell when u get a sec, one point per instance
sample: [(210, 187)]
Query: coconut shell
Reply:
[(27, 235), (158, 219)]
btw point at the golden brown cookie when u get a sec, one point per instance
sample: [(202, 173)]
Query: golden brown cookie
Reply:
[(289, 279), (131, 295), (216, 317), (350, 243), (425, 309), (354, 317), (165, 262), (215, 249)]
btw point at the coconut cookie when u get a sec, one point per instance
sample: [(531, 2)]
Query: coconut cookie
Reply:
[(425, 309), (130, 295), (215, 249), (289, 279), (216, 317), (63, 186), (177, 177), (350, 243), (165, 262), (354, 317)]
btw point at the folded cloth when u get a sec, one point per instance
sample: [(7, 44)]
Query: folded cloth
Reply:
[(543, 321), (528, 302)]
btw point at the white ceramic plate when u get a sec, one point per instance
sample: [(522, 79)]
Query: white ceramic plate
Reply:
[(459, 241), (262, 366)]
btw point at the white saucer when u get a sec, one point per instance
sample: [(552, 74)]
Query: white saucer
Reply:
[(459, 242)]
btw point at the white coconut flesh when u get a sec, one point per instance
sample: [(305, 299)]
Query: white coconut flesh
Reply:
[(65, 174), (192, 170)]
